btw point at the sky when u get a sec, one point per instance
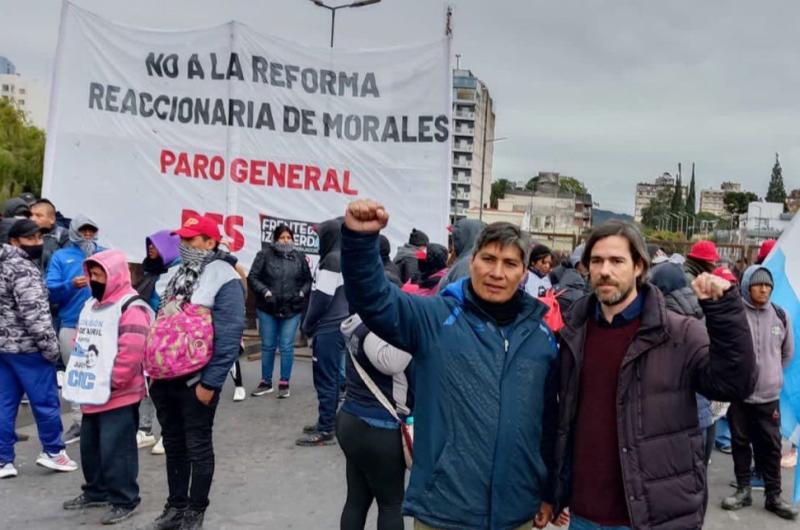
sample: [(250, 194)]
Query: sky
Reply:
[(612, 92)]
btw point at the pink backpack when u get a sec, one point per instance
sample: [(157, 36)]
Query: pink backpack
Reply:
[(179, 344)]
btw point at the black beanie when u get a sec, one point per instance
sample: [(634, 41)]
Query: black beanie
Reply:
[(538, 252), (418, 238)]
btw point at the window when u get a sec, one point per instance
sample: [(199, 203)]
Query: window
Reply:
[(6, 88), (22, 91)]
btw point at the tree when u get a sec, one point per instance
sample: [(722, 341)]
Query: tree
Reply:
[(776, 191), (573, 185), (690, 197), (677, 195), (658, 210), (21, 153), (737, 202), (499, 189)]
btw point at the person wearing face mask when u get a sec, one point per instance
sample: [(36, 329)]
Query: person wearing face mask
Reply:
[(281, 281), (68, 286), (28, 351), (13, 210), (109, 350), (207, 292)]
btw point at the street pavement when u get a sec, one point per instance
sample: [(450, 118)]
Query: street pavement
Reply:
[(262, 479)]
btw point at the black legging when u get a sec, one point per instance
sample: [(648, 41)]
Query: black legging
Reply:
[(375, 470)]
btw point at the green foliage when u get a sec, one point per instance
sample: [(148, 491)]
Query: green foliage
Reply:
[(21, 153), (664, 235), (691, 198), (776, 191), (736, 202), (573, 185), (499, 189), (659, 208), (677, 197)]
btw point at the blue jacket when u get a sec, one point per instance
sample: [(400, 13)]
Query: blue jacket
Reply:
[(485, 398), (66, 265)]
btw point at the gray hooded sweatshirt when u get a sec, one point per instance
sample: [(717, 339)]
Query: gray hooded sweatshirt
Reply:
[(465, 232), (772, 342)]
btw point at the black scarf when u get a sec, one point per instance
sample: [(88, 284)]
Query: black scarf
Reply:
[(504, 313)]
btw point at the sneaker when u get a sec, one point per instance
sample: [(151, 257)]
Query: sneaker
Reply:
[(283, 390), (310, 429), (116, 514), (81, 502), (8, 470), (781, 508), (316, 439), (144, 439), (789, 460), (158, 448), (738, 500), (239, 393), (262, 388), (727, 449), (73, 434), (57, 462), (192, 520), (169, 519)]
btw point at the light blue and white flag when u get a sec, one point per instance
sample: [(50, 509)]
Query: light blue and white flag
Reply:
[(784, 264)]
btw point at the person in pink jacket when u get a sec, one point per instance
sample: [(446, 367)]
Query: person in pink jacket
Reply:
[(106, 377)]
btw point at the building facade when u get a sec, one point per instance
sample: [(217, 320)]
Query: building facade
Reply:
[(473, 147), (646, 192), (547, 210), (16, 89), (713, 201)]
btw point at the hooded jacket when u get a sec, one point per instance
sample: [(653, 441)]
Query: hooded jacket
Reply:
[(570, 287), (388, 367), (25, 322), (669, 359), (406, 261), (465, 232), (392, 271), (151, 286), (13, 210), (53, 240), (484, 396), (285, 276), (327, 305), (66, 265), (772, 341), (127, 375)]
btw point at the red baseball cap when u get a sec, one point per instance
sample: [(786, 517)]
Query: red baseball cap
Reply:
[(725, 274), (199, 226), (704, 250), (766, 248)]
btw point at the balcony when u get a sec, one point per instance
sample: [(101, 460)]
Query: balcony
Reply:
[(464, 131), (464, 115), (462, 163), (464, 181), (462, 147)]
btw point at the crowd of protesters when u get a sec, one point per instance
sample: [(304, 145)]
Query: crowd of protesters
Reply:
[(519, 386)]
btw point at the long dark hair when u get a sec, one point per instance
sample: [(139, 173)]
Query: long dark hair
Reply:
[(279, 231)]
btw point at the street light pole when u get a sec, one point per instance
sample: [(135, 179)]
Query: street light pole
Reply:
[(483, 159), (333, 10)]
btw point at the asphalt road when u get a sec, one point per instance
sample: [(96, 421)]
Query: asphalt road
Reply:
[(264, 481)]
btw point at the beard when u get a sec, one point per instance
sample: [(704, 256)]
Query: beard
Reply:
[(615, 297)]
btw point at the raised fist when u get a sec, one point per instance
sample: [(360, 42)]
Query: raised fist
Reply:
[(710, 287), (366, 216)]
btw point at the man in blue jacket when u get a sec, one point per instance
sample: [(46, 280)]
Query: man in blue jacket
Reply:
[(69, 290), (485, 379)]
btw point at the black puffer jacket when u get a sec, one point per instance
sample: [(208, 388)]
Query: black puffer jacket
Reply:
[(661, 447), (286, 276)]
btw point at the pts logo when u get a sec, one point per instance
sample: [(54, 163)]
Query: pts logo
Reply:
[(231, 227)]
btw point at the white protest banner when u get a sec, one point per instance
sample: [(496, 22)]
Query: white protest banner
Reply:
[(147, 127)]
